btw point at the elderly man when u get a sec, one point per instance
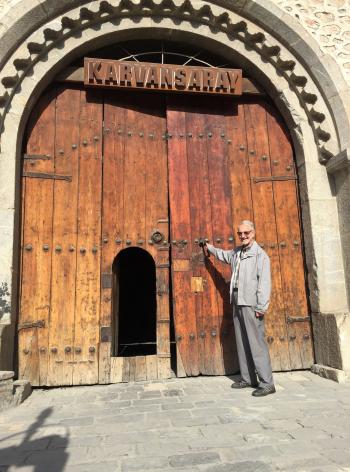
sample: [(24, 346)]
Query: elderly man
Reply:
[(250, 293)]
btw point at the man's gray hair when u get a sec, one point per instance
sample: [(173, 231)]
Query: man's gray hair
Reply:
[(247, 223)]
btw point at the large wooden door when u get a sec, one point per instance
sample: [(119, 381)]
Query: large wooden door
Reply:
[(231, 160), (103, 173), (90, 191)]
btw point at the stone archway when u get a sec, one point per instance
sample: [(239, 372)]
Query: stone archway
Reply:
[(257, 37)]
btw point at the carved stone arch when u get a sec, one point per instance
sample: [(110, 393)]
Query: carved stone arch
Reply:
[(46, 37)]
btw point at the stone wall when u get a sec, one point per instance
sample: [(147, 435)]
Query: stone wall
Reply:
[(329, 23)]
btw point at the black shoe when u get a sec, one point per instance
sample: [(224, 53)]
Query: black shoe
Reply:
[(263, 391), (240, 384)]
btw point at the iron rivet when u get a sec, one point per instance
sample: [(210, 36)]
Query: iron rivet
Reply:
[(184, 241), (178, 338), (58, 249), (213, 333), (170, 135), (264, 158), (43, 350), (201, 135), (96, 138), (118, 241), (151, 135), (92, 349), (165, 242), (282, 338), (141, 135), (283, 244), (61, 151), (28, 247), (206, 240), (181, 135), (78, 350), (252, 152), (210, 135), (222, 135), (129, 133), (140, 242), (67, 349), (262, 245), (189, 135), (229, 141), (82, 250), (269, 339), (196, 241), (107, 130), (94, 249), (192, 336), (174, 241), (275, 163), (32, 163), (128, 242), (230, 239), (85, 142), (54, 350), (71, 248), (296, 243), (272, 246), (218, 240), (74, 146), (289, 168), (45, 247), (105, 240), (150, 242), (292, 338), (25, 351), (241, 147), (119, 131), (306, 336), (202, 334)]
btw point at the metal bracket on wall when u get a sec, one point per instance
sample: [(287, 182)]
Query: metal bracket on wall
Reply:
[(32, 324), (274, 178), (297, 319), (41, 175)]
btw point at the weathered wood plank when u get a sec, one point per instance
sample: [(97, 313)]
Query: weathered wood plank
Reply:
[(86, 336), (35, 288)]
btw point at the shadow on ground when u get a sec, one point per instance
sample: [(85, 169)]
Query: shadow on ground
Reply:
[(30, 451)]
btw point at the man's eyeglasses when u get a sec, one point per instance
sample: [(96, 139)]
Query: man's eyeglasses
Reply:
[(245, 233)]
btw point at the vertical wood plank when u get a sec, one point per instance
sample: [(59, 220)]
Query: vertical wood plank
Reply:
[(37, 231), (64, 239), (151, 367), (86, 337), (180, 229), (116, 369)]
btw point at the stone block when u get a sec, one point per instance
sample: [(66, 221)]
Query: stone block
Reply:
[(6, 375), (331, 373), (21, 391), (193, 459)]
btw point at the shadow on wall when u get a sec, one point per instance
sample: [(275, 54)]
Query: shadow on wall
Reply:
[(32, 450)]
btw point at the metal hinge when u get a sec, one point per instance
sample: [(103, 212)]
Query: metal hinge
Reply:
[(37, 157), (41, 175), (32, 324), (297, 319), (274, 178)]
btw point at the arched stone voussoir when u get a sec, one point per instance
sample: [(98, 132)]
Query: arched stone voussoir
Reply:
[(224, 25)]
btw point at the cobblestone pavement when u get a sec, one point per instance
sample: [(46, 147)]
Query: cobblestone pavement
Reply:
[(194, 424)]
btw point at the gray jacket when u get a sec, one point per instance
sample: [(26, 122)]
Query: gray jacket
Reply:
[(254, 282)]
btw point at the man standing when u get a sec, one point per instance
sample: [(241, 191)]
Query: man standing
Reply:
[(250, 290)]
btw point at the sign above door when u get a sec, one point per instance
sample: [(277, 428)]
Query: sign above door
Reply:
[(162, 77)]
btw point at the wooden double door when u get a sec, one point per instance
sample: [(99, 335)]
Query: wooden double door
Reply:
[(105, 173)]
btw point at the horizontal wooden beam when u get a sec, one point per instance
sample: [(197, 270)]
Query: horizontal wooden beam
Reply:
[(76, 75)]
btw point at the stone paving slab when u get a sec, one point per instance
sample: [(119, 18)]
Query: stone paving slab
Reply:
[(195, 424)]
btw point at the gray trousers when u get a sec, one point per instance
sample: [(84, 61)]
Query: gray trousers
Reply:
[(253, 352)]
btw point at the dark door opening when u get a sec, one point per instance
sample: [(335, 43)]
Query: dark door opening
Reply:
[(134, 303)]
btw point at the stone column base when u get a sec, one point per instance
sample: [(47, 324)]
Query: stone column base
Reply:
[(331, 373), (12, 393)]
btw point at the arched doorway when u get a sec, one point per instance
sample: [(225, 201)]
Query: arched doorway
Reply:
[(134, 304)]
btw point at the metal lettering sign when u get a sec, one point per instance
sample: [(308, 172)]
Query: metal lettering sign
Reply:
[(162, 77)]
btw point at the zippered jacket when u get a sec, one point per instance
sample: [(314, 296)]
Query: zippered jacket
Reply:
[(254, 280)]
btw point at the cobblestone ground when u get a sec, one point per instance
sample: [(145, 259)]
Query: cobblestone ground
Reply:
[(195, 424)]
